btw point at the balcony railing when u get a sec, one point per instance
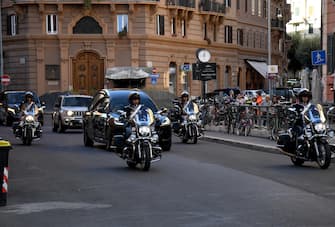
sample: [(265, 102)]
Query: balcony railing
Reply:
[(277, 23), (212, 6), (184, 3), (93, 1)]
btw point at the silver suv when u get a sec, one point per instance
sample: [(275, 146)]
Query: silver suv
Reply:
[(68, 112)]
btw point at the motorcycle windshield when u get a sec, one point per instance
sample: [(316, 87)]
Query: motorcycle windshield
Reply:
[(191, 108), (315, 114), (144, 117)]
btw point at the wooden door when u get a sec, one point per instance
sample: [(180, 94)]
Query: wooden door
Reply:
[(88, 73)]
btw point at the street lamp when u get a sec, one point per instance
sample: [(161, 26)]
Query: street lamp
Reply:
[(269, 43)]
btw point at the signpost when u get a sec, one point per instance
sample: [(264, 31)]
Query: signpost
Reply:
[(318, 57), (5, 80), (203, 70)]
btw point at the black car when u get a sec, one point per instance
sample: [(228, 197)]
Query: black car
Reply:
[(98, 122), (10, 102)]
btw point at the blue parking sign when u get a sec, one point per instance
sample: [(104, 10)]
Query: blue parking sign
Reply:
[(318, 57)]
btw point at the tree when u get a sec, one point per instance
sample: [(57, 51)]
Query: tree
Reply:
[(299, 54)]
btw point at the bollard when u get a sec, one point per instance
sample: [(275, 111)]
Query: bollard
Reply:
[(4, 154)]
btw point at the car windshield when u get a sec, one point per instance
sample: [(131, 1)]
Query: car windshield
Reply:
[(18, 97), (76, 101), (119, 101)]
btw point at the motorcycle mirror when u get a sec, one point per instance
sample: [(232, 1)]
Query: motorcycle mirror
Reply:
[(330, 109)]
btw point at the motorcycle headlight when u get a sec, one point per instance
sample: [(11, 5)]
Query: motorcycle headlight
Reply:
[(166, 121), (320, 127), (144, 131), (29, 118), (69, 113), (192, 118)]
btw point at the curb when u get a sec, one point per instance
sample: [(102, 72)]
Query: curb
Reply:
[(258, 147)]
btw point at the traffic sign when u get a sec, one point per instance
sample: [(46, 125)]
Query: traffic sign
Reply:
[(204, 71), (318, 57), (5, 80), (154, 78)]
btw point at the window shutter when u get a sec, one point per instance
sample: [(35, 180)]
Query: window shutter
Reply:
[(330, 48), (8, 25), (17, 24)]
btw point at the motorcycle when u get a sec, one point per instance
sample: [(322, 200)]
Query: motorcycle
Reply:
[(189, 127), (312, 145), (142, 146), (28, 129)]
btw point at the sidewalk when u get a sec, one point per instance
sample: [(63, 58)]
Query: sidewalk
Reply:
[(257, 140)]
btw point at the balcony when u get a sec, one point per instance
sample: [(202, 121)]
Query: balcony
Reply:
[(212, 6), (183, 3)]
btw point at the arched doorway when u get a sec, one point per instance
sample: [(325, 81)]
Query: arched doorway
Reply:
[(88, 73)]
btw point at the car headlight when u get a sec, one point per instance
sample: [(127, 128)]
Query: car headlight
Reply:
[(320, 127), (29, 118), (69, 113), (144, 131), (166, 121), (192, 118), (331, 133), (11, 110)]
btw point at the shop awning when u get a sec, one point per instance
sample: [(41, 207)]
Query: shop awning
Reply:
[(124, 73), (260, 67)]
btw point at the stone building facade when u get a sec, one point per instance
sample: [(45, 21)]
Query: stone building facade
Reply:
[(68, 45)]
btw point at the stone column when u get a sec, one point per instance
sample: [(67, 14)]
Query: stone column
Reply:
[(40, 68), (66, 82)]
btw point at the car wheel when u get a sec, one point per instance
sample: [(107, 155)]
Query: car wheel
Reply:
[(60, 127), (87, 141), (166, 145), (54, 126)]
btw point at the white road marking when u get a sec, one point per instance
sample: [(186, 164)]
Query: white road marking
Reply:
[(28, 208)]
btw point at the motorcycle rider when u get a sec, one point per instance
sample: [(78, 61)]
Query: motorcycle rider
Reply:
[(134, 100), (27, 104), (305, 97)]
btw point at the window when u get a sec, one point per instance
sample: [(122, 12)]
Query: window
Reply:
[(87, 25), (253, 7), (259, 8), (204, 31), (265, 9), (228, 34), (238, 4), (240, 37), (330, 53), (160, 24), (183, 28), (12, 25), (214, 33), (228, 3), (246, 5), (52, 24), (122, 23), (173, 26), (310, 29)]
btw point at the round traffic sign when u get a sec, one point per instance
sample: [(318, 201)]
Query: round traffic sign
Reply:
[(5, 80)]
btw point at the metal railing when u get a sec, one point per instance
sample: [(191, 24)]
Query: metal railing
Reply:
[(212, 6), (183, 3)]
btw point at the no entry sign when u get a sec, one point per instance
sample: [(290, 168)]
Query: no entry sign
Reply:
[(5, 80)]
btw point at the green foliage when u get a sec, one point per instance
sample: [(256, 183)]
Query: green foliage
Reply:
[(299, 54)]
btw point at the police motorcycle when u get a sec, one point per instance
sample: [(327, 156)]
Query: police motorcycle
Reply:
[(188, 126), (29, 128), (312, 145), (142, 145)]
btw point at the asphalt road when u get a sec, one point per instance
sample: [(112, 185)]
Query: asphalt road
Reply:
[(59, 182)]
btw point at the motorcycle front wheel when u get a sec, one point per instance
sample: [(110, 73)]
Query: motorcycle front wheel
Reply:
[(146, 159), (29, 137), (324, 157)]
